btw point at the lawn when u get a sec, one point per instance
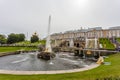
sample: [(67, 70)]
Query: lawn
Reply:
[(27, 43), (118, 39), (12, 49), (99, 73), (106, 43)]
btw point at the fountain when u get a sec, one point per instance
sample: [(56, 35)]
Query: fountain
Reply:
[(47, 54), (71, 43), (91, 44), (46, 60)]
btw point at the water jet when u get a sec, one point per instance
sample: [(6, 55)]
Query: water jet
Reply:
[(48, 53)]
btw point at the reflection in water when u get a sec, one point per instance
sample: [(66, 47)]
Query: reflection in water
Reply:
[(20, 60), (30, 62)]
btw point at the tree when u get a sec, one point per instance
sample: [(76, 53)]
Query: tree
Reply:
[(21, 37), (13, 38), (34, 38), (2, 39)]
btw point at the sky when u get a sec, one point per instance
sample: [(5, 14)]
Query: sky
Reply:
[(29, 16)]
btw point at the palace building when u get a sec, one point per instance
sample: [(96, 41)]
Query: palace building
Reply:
[(79, 37), (97, 32)]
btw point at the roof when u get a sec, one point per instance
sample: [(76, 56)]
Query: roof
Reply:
[(117, 27)]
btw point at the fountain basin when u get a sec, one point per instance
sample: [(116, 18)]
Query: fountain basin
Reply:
[(30, 62), (47, 72)]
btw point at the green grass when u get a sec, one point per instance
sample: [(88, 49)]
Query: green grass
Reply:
[(12, 49), (29, 43), (106, 43), (100, 72), (118, 39)]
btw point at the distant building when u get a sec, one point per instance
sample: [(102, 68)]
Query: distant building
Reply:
[(97, 32)]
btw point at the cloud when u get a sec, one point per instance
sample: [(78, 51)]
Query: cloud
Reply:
[(32, 15)]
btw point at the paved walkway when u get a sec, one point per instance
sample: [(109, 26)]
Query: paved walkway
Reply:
[(48, 72)]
